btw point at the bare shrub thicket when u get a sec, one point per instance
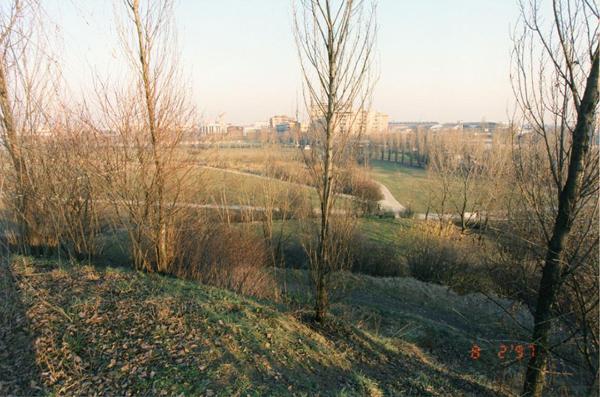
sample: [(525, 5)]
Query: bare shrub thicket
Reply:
[(376, 258), (281, 203), (469, 177), (49, 189), (450, 258), (555, 79), (69, 192), (231, 256), (27, 93), (288, 171), (335, 47)]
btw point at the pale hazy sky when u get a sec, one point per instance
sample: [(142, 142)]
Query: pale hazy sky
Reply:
[(439, 60)]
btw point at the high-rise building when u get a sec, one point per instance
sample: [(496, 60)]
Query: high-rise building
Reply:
[(365, 122)]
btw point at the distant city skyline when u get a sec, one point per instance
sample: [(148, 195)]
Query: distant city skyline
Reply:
[(438, 61)]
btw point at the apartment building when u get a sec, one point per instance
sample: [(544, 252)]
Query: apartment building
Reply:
[(365, 122)]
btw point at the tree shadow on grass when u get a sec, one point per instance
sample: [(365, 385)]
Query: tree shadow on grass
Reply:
[(19, 373), (400, 370)]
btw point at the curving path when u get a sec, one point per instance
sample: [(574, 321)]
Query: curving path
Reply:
[(389, 202)]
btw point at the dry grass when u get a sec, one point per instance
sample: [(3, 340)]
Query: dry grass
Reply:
[(252, 160)]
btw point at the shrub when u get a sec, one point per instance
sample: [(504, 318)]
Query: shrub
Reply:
[(407, 213), (434, 261), (379, 260), (367, 194), (450, 258), (285, 171), (227, 257), (295, 255), (387, 214)]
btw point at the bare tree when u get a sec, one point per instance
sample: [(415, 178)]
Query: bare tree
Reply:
[(555, 80), (146, 122), (335, 41), (439, 172)]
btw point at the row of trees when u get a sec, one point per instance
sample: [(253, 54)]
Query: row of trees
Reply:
[(408, 148)]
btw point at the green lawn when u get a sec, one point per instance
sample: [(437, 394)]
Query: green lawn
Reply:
[(408, 185), (388, 231), (397, 233)]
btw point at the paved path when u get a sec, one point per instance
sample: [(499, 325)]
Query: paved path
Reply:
[(389, 202)]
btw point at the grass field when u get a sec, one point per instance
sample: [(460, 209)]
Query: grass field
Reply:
[(386, 230), (408, 185), (215, 186), (250, 159)]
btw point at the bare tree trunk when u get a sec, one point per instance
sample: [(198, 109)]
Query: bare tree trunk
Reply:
[(551, 274), (418, 147), (403, 147), (321, 298), (161, 232)]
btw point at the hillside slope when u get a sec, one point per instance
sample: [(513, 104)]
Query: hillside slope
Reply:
[(106, 331)]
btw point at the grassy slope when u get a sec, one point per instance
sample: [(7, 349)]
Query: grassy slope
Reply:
[(408, 185), (441, 324), (82, 330)]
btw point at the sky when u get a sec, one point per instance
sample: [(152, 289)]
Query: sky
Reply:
[(439, 60)]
